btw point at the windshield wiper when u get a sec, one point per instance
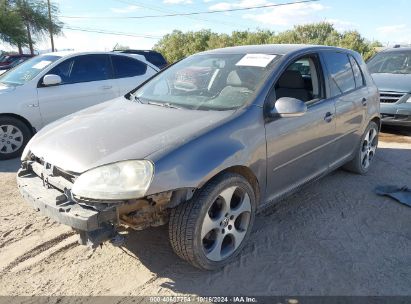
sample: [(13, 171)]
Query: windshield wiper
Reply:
[(135, 98), (163, 104)]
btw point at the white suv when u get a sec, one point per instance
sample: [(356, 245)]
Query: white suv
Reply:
[(50, 86)]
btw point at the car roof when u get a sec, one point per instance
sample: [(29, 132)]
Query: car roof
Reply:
[(74, 53), (397, 49), (19, 55), (142, 51), (278, 49)]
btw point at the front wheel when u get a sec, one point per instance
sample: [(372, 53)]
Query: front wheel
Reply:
[(365, 153), (211, 229), (14, 135)]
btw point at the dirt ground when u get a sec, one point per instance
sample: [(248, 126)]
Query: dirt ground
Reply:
[(335, 237)]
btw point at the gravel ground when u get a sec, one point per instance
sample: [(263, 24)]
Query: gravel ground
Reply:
[(335, 237)]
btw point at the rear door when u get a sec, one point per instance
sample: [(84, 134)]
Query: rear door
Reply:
[(130, 72), (350, 94), (86, 81), (299, 148)]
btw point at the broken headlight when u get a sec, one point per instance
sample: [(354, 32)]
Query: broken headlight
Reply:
[(118, 181)]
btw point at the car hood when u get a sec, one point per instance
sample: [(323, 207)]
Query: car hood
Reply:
[(117, 130), (6, 88), (393, 82)]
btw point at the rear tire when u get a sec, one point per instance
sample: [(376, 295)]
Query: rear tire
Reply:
[(14, 136), (211, 229), (365, 153)]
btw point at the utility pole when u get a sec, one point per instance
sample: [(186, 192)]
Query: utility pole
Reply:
[(50, 27)]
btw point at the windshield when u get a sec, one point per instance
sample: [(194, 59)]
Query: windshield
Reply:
[(391, 62), (27, 70), (3, 58), (209, 81)]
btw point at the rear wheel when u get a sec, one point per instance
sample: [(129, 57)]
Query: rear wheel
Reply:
[(212, 228), (365, 153), (14, 135)]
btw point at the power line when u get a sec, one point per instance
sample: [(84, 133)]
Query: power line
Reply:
[(91, 30), (190, 13), (159, 9)]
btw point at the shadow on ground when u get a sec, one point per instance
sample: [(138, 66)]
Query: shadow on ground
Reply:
[(396, 130), (334, 237), (10, 165)]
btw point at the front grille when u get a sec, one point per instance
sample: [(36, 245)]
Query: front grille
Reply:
[(51, 175), (390, 97)]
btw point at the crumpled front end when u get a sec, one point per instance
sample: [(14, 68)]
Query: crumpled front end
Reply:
[(48, 190)]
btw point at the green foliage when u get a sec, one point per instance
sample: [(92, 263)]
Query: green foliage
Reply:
[(178, 45), (11, 25), (24, 22)]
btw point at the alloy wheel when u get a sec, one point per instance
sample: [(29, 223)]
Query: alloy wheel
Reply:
[(369, 147), (11, 139), (226, 223)]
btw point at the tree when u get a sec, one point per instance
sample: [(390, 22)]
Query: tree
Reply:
[(177, 45), (25, 22), (11, 26), (173, 46), (322, 33), (34, 14)]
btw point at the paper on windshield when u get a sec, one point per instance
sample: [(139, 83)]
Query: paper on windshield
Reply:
[(256, 60), (42, 64)]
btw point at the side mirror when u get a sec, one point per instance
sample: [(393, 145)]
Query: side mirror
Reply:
[(51, 80), (288, 107)]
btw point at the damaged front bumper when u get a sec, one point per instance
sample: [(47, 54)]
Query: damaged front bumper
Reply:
[(48, 190), (94, 226)]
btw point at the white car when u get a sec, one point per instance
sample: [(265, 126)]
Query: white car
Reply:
[(50, 86)]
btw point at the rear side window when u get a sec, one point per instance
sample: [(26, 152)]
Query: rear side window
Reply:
[(83, 68), (155, 59), (358, 77), (127, 67), (341, 73)]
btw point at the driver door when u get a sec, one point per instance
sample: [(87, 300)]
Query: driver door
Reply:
[(298, 148)]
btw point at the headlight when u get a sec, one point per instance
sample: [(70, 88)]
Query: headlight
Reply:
[(409, 99), (25, 153), (26, 150), (123, 180)]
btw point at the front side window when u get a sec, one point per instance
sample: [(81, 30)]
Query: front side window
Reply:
[(83, 68), (398, 62), (209, 81), (127, 67), (301, 80), (28, 70), (341, 73)]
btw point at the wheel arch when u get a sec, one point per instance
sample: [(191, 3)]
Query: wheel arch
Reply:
[(377, 120), (245, 172), (22, 119)]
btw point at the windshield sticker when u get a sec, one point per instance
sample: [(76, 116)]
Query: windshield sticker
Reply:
[(42, 64), (256, 60)]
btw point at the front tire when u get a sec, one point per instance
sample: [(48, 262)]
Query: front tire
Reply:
[(211, 229), (14, 136), (365, 153)]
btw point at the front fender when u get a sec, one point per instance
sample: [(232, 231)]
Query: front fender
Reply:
[(238, 142)]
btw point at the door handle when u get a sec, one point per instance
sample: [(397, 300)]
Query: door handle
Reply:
[(364, 101), (106, 87), (328, 117)]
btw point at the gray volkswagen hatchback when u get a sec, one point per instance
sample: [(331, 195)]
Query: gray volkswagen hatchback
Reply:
[(205, 144)]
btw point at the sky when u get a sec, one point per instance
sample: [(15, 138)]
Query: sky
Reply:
[(386, 21)]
